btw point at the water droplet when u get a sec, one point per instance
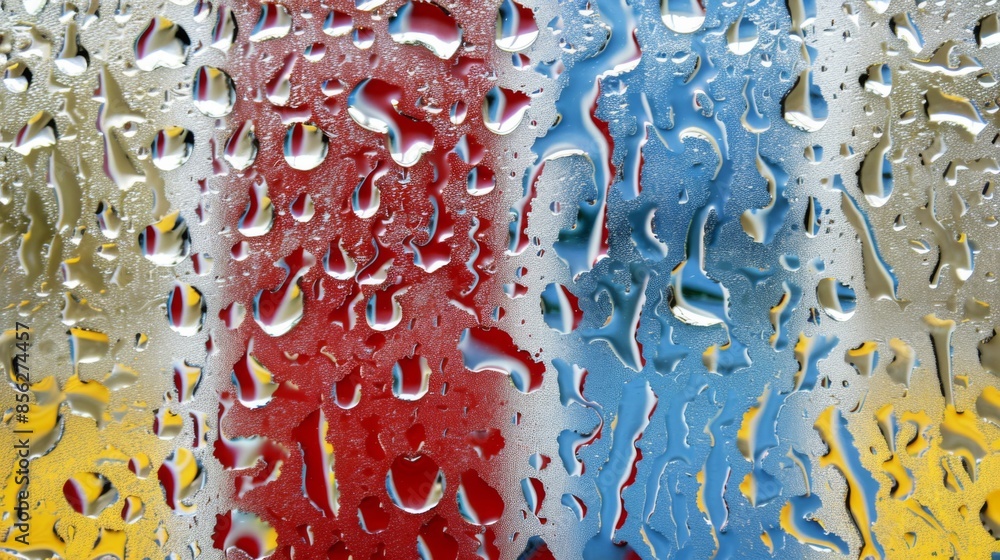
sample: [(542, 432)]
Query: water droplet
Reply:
[(945, 108), (742, 36), (254, 383), (838, 300), (480, 181), (213, 93), (363, 37), (241, 148), (87, 346), (503, 109), (303, 208), (494, 350), (258, 216), (73, 59), (428, 25), (410, 378), (244, 532), (17, 77), (162, 44), (172, 147), (225, 30), (804, 107), (415, 484), (478, 502), (904, 28), (278, 311), (181, 476), (186, 309), (89, 493), (166, 242), (273, 22), (39, 132), (319, 484), (682, 16), (383, 311), (878, 79), (875, 174), (132, 509), (305, 146), (338, 24), (372, 515), (373, 104), (988, 31), (337, 263), (516, 29)]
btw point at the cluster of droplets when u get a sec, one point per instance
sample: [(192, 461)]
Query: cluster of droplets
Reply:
[(779, 255), (104, 163), (360, 160), (682, 255)]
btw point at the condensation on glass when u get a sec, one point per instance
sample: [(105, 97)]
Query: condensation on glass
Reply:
[(517, 279)]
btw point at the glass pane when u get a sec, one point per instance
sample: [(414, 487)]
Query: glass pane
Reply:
[(508, 279)]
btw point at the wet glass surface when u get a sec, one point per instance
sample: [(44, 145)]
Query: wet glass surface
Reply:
[(517, 279)]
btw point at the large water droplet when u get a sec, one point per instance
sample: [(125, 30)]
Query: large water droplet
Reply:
[(214, 93), (39, 132), (804, 106), (273, 22), (742, 36), (410, 378), (515, 27), (682, 16), (305, 146), (278, 311), (428, 25), (73, 59), (225, 30), (478, 502), (241, 148), (167, 242), (17, 77), (162, 44), (172, 147), (503, 109), (244, 532), (259, 214), (186, 309), (338, 24), (181, 476), (373, 104), (415, 484), (838, 300), (89, 493)]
